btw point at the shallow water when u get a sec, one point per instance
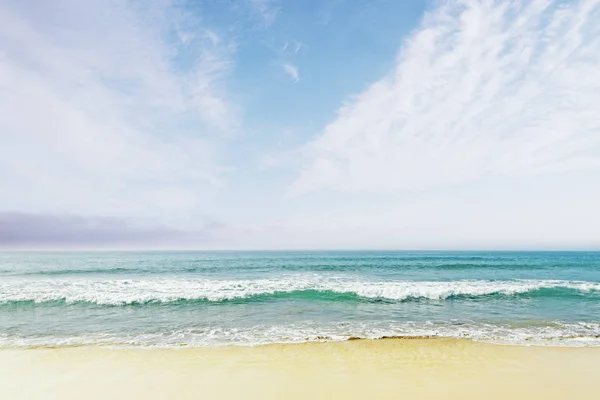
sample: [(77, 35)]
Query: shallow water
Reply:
[(212, 298)]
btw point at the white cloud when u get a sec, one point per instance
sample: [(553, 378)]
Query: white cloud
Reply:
[(267, 9), (214, 38), (97, 116), (292, 71), (482, 88), (299, 46)]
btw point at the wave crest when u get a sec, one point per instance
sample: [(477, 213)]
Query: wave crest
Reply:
[(141, 291)]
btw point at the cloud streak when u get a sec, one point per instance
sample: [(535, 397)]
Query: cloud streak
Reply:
[(481, 89), (267, 10), (292, 71)]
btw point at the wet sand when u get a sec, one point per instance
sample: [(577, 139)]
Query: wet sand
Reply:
[(378, 369)]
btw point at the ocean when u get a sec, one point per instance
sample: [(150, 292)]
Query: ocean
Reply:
[(175, 299)]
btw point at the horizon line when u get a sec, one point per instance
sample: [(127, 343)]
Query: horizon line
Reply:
[(107, 250)]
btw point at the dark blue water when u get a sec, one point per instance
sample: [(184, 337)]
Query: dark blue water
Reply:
[(212, 298)]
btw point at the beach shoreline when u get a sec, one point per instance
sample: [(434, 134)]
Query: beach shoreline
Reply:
[(386, 368)]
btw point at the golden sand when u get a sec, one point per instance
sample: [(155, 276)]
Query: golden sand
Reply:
[(362, 369)]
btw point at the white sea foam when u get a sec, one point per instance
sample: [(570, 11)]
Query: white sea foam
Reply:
[(553, 334), (128, 291)]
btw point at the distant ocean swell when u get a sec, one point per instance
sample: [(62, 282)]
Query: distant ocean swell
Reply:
[(116, 292), (211, 267), (203, 268)]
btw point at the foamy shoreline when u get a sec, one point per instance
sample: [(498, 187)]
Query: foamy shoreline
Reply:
[(387, 368)]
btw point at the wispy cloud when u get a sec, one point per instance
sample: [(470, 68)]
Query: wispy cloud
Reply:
[(327, 10), (292, 71), (482, 88), (267, 9), (116, 114)]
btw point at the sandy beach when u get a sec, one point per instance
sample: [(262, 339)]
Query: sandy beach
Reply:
[(383, 369)]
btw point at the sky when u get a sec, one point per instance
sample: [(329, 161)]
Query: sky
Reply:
[(317, 124)]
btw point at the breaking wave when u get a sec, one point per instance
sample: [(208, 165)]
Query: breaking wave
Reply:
[(118, 292)]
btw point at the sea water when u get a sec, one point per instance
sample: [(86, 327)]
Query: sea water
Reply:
[(173, 299)]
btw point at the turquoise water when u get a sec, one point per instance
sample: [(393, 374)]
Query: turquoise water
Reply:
[(171, 299)]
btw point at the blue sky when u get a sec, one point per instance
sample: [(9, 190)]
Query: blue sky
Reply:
[(272, 124)]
